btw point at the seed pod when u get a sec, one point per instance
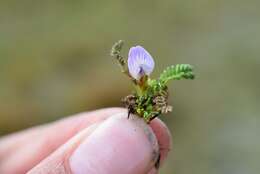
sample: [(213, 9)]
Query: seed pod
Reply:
[(166, 109), (129, 100)]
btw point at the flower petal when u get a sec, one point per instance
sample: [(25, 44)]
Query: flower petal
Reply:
[(140, 62)]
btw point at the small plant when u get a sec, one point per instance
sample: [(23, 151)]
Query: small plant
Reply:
[(150, 98)]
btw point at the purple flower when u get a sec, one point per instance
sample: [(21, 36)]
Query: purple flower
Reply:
[(140, 62)]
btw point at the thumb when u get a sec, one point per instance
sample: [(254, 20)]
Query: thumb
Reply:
[(117, 145)]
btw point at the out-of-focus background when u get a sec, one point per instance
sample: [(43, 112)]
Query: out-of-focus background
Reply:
[(54, 62)]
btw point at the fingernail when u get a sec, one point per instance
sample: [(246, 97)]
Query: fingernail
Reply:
[(153, 171), (118, 145), (165, 141)]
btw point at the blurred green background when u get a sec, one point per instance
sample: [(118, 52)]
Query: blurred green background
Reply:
[(54, 62)]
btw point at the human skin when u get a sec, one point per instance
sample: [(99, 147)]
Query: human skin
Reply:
[(98, 142)]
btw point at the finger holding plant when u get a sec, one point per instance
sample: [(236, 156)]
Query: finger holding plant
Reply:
[(150, 98)]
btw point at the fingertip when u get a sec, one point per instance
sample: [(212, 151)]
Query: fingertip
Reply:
[(114, 145), (118, 145)]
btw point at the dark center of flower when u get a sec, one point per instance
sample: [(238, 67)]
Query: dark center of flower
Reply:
[(141, 71)]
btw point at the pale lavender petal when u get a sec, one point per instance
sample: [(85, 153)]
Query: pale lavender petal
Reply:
[(140, 62)]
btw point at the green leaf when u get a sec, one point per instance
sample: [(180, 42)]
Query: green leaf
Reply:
[(177, 72)]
